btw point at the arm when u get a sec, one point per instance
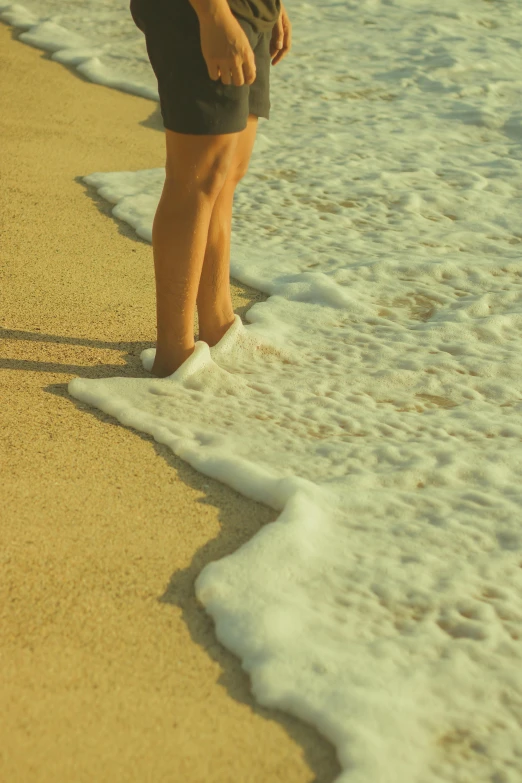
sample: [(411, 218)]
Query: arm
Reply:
[(224, 44), (210, 7)]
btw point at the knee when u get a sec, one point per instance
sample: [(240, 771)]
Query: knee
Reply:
[(236, 174), (200, 162), (209, 185)]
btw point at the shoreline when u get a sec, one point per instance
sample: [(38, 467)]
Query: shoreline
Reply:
[(112, 670)]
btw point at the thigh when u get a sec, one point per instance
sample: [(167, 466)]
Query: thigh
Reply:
[(190, 101), (200, 162)]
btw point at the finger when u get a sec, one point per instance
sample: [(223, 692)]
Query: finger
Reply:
[(250, 79), (237, 75), (249, 70), (225, 76)]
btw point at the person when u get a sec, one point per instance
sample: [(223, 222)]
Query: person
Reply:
[(212, 61)]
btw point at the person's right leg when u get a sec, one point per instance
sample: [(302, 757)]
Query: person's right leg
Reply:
[(195, 172), (214, 303)]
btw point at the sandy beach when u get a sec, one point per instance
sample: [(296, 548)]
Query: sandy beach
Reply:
[(110, 669)]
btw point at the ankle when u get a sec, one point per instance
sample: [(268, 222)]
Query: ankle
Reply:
[(211, 332), (214, 316)]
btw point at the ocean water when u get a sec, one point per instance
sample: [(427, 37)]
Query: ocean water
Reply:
[(375, 398)]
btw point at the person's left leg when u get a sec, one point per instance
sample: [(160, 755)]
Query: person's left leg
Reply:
[(214, 302)]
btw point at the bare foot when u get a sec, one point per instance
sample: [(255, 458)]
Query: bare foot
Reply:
[(212, 337), (162, 368)]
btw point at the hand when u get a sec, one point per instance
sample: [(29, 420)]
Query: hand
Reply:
[(281, 41), (226, 49)]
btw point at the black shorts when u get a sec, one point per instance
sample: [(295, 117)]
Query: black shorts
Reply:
[(190, 101)]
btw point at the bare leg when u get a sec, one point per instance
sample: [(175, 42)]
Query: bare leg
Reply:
[(214, 302), (179, 236)]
